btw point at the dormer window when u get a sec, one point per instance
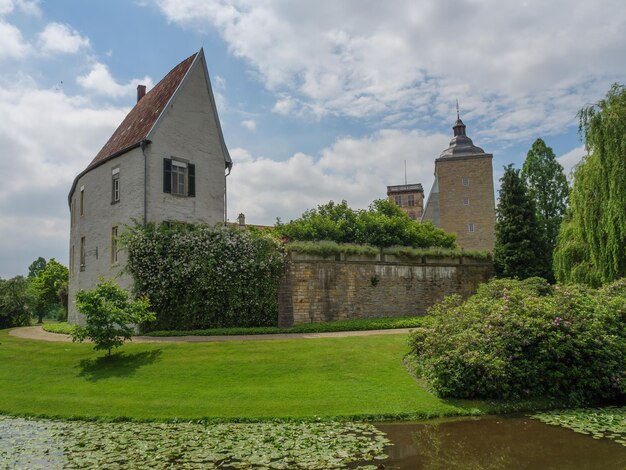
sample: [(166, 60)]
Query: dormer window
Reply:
[(179, 177)]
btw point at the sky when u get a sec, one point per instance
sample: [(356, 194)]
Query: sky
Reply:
[(319, 100)]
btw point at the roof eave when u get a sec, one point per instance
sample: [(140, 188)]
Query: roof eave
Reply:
[(96, 165)]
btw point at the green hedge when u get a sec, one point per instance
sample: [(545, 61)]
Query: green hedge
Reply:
[(205, 277), (526, 339), (330, 248)]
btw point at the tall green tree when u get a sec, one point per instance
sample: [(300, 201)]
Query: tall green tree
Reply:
[(520, 246), (49, 289), (591, 246), (36, 267), (14, 302), (547, 186)]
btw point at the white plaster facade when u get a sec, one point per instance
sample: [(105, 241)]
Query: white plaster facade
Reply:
[(186, 129)]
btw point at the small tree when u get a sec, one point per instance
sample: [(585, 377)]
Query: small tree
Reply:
[(520, 248), (110, 315)]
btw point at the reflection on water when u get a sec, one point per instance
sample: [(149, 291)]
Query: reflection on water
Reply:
[(496, 443)]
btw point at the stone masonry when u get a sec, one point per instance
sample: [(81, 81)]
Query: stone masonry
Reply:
[(316, 289)]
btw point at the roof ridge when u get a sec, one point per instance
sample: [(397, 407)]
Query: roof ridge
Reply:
[(141, 118)]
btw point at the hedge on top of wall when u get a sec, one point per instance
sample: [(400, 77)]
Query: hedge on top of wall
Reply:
[(198, 276)]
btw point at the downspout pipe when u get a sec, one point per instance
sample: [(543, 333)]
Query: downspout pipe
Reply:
[(229, 167), (143, 145)]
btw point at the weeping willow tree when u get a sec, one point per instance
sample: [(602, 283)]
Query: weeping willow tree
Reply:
[(591, 246)]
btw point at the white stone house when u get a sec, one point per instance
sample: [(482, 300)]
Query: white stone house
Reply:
[(167, 161)]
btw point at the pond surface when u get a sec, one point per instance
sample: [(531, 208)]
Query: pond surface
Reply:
[(497, 443), (470, 444)]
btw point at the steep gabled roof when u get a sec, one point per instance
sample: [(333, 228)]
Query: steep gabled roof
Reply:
[(137, 124), (141, 121)]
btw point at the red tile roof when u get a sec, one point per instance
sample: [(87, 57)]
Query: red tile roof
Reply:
[(136, 125)]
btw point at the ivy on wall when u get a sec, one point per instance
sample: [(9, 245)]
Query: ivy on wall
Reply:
[(205, 277)]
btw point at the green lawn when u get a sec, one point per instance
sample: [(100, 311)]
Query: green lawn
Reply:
[(328, 377)]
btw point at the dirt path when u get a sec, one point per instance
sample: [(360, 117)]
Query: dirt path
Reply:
[(37, 333)]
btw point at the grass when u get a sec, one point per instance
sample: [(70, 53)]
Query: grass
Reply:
[(351, 377)]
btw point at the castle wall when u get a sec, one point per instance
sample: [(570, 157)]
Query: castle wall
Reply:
[(316, 289)]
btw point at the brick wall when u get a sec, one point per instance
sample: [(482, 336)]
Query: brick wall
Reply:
[(316, 289)]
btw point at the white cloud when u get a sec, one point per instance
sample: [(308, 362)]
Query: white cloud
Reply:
[(249, 124), (355, 169), (100, 81), (61, 38), (29, 7), (521, 68), (12, 44), (43, 152), (570, 159)]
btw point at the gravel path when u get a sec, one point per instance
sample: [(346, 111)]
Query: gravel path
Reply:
[(37, 332)]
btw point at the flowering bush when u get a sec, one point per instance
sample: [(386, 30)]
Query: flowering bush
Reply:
[(202, 277), (524, 339)]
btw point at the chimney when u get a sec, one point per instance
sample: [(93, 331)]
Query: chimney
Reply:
[(241, 220), (141, 91)]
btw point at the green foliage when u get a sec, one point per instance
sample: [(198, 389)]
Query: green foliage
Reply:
[(36, 267), (365, 324), (520, 249), (524, 339), (15, 300), (608, 422), (49, 290), (63, 328), (417, 253), (110, 315), (592, 246), (327, 248), (202, 277), (547, 186), (383, 224)]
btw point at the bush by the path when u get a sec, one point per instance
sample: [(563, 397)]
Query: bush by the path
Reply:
[(205, 277), (525, 339)]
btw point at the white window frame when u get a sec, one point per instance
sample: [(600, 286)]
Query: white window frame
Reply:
[(115, 185), (471, 228), (465, 180), (179, 178), (114, 245), (466, 201)]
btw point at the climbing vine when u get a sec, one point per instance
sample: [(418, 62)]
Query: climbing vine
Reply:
[(203, 277)]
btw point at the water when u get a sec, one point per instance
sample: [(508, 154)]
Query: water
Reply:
[(495, 443), (489, 443)]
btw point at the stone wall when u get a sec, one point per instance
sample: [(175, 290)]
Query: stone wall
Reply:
[(341, 287)]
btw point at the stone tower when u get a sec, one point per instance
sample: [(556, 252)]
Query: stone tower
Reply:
[(409, 197), (461, 200)]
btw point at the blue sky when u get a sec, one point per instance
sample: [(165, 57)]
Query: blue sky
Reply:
[(318, 100)]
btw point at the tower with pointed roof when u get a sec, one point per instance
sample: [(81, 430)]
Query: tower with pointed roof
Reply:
[(461, 200), (167, 161)]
